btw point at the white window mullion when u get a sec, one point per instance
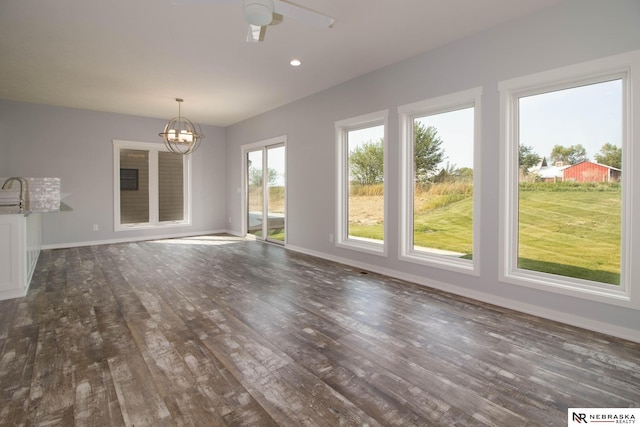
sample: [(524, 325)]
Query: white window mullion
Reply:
[(265, 193), (116, 184), (186, 187), (342, 197), (153, 188), (406, 193)]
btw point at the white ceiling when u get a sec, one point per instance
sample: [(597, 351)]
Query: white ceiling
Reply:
[(136, 56)]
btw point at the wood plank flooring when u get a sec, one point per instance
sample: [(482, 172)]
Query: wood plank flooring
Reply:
[(217, 330)]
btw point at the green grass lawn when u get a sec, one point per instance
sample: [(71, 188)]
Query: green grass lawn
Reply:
[(573, 233), (447, 228)]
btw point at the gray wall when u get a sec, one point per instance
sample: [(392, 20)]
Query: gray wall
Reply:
[(4, 149), (572, 32), (76, 146)]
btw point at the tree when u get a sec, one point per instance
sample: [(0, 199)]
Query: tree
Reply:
[(568, 155), (428, 152), (366, 163), (527, 157), (448, 173), (610, 155), (465, 173), (256, 177)]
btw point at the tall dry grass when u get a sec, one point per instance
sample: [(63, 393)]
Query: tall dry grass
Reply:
[(357, 190), (428, 197), (276, 199)]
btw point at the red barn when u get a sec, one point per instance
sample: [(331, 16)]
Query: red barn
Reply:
[(591, 172)]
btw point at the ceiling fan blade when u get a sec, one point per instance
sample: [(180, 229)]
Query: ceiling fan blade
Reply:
[(302, 14), (255, 33), (199, 2)]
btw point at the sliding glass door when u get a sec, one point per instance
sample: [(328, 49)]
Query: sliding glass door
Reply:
[(266, 192), (255, 192), (275, 205)]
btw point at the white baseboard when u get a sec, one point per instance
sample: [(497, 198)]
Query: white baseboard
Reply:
[(235, 233), (130, 239), (535, 310)]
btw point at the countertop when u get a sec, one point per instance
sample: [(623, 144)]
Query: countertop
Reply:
[(14, 210)]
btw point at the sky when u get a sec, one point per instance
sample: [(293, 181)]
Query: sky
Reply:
[(589, 115), (362, 136), (455, 129)]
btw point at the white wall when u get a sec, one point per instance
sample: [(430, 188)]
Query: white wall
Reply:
[(76, 146), (575, 31)]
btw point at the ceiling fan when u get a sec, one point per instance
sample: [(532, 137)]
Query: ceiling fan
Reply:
[(261, 13)]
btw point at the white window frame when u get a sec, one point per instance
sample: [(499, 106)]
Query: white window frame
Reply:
[(343, 127), (626, 67), (408, 113), (154, 222)]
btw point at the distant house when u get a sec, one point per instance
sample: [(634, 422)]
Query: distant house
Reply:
[(581, 172), (548, 173), (591, 172)]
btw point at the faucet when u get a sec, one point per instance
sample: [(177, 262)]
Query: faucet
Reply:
[(23, 186)]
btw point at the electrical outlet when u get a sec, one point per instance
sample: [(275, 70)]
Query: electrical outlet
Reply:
[(96, 227), (331, 238)]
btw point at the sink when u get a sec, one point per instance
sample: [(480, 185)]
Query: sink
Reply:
[(40, 195)]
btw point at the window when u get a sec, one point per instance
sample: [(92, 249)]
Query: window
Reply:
[(361, 206), (567, 186), (151, 186), (134, 204), (264, 179), (170, 186), (439, 140)]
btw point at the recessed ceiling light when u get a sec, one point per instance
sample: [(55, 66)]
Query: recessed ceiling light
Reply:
[(295, 63)]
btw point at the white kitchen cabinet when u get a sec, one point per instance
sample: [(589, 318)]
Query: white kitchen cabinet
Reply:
[(20, 242)]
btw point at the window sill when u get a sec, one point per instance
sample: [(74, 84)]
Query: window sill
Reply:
[(162, 225)]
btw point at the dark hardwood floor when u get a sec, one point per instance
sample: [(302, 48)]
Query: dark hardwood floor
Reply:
[(221, 331)]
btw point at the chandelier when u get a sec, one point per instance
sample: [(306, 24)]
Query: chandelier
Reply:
[(180, 135)]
